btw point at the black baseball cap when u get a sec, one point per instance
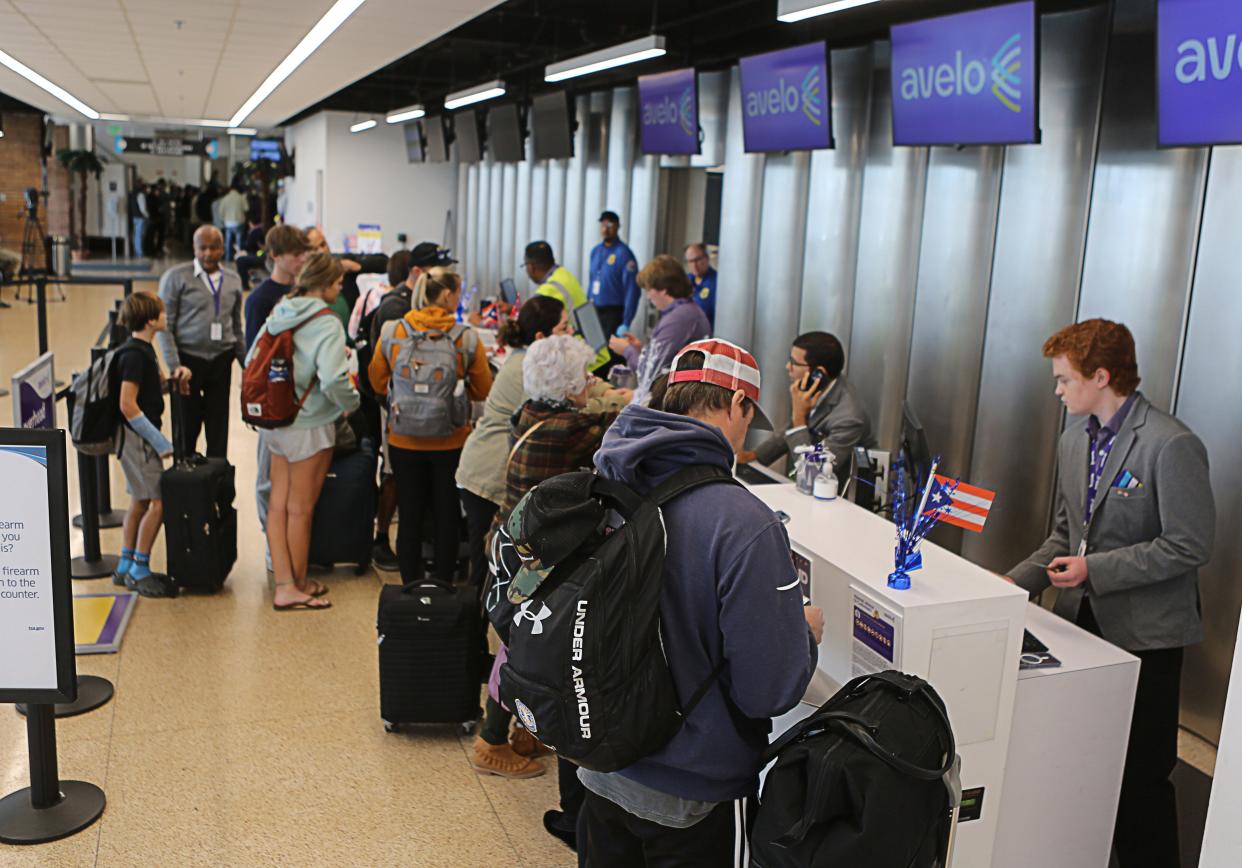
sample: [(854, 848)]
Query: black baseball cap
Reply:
[(428, 254), (610, 215)]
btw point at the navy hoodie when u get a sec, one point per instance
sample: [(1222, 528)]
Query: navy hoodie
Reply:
[(730, 594)]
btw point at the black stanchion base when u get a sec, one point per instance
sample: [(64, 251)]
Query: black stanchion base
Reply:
[(4, 393), (93, 692), (80, 805), (83, 569), (107, 520)]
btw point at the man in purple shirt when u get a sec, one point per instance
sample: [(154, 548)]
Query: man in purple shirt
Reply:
[(681, 322)]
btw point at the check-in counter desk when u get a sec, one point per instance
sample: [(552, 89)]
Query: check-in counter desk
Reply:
[(1042, 750)]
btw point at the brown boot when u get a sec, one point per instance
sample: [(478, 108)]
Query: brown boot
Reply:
[(500, 760), (525, 744)]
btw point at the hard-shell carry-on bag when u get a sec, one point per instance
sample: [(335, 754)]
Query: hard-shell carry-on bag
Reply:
[(344, 523), (200, 523), (430, 658), (871, 778)]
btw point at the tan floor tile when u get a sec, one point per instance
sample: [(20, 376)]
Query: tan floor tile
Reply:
[(334, 788), (1196, 752), (93, 726)]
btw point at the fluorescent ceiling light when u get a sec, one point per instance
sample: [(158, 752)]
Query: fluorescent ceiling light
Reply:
[(243, 131), (110, 117), (332, 19), (54, 89), (412, 113), (618, 55), (363, 126), (790, 11), (478, 93)]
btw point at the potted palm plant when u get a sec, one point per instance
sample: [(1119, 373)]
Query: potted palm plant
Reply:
[(78, 163)]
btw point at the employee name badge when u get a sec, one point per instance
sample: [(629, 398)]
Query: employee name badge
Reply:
[(595, 288), (1082, 548), (217, 331)]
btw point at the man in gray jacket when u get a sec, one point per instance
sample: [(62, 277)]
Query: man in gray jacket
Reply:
[(825, 407), (1135, 520), (204, 337)]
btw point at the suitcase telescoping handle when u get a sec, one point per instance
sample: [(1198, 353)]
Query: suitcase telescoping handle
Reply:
[(177, 407)]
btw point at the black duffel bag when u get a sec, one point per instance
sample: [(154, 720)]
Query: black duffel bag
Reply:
[(869, 779)]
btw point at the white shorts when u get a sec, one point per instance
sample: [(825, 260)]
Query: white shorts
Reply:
[(299, 444)]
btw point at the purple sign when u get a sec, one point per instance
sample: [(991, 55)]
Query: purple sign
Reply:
[(968, 79), (786, 103), (668, 108), (1199, 71), (34, 394), (874, 632)]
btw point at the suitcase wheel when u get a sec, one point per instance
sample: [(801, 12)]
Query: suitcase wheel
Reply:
[(389, 727), (361, 569), (467, 727)]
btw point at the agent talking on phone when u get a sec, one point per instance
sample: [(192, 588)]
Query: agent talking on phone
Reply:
[(825, 407), (1135, 520)]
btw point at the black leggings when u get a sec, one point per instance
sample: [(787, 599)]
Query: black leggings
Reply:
[(479, 515), (426, 485)]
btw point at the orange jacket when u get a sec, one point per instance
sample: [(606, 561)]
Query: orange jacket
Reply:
[(478, 376)]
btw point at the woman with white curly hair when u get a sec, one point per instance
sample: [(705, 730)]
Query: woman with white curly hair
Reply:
[(552, 433)]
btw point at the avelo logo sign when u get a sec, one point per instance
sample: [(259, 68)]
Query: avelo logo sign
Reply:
[(669, 113), (1199, 71), (785, 99), (967, 79)]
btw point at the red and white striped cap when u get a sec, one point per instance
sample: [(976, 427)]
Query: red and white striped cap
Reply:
[(725, 365)]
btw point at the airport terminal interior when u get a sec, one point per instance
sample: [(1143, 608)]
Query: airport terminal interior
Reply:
[(936, 297)]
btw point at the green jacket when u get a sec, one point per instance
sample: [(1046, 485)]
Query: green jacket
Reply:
[(559, 283)]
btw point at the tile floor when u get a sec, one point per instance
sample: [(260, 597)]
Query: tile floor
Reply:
[(240, 736)]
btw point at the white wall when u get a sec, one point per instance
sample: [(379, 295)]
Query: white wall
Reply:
[(366, 179)]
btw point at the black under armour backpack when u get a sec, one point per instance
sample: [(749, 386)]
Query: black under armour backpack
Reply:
[(577, 574)]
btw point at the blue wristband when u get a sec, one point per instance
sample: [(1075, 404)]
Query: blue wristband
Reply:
[(142, 426)]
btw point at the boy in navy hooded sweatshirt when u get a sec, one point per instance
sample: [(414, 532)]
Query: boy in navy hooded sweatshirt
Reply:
[(730, 595)]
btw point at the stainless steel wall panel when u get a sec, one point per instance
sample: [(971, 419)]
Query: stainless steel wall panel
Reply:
[(1040, 236), (894, 184), (495, 215), (556, 204), (595, 179), (460, 241), (643, 202), (575, 182), (539, 202), (1209, 400), (951, 299), (479, 263), (741, 201), (506, 266), (469, 257), (1145, 210), (777, 301), (830, 265), (622, 141), (521, 220)]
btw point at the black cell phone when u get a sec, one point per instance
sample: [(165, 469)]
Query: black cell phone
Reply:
[(815, 382)]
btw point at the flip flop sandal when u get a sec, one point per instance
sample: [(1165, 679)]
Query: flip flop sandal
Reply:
[(320, 589), (302, 605)]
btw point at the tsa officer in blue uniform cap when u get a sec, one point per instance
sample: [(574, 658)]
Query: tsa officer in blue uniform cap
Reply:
[(614, 276), (703, 279)]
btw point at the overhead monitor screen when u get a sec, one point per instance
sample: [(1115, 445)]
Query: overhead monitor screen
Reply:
[(967, 79), (414, 142), (552, 126), (504, 134), (787, 100), (267, 149), (668, 111), (1199, 72), (466, 131)]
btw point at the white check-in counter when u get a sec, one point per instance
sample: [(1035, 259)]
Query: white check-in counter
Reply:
[(1020, 735)]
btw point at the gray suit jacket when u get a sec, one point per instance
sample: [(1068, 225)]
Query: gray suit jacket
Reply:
[(839, 420), (1144, 545)]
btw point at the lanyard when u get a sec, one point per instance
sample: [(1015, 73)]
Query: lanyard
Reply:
[(215, 290), (1100, 448)]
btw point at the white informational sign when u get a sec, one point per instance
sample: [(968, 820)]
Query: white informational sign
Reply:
[(875, 645), (370, 238), (34, 394), (27, 626)]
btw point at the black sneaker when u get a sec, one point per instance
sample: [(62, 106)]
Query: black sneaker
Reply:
[(152, 585), (561, 827), (118, 578), (382, 555)]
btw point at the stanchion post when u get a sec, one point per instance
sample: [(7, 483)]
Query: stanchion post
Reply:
[(93, 564), (128, 283), (41, 300)]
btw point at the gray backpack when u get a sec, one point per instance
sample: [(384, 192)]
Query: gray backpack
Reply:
[(426, 397)]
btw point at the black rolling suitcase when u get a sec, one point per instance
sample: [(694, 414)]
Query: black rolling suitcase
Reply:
[(344, 523), (200, 523), (430, 657)]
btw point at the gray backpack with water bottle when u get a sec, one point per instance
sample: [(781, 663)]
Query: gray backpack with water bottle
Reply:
[(426, 395)]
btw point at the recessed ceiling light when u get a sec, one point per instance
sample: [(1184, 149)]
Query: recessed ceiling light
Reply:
[(243, 131), (54, 89), (327, 25)]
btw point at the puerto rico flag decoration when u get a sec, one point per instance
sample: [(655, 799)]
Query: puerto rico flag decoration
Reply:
[(959, 504)]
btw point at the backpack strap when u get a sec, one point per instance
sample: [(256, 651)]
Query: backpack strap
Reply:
[(688, 478), (315, 376), (518, 445), (467, 348)]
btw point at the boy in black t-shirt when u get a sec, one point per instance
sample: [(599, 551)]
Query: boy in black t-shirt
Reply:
[(143, 447)]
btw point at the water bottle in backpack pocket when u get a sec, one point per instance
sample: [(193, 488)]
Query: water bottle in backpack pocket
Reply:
[(426, 395)]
